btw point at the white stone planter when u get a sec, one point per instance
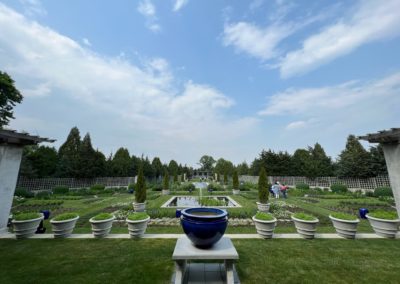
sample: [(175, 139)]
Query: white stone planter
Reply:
[(236, 191), (26, 228), (139, 207), (383, 227), (265, 228), (345, 228), (64, 228), (263, 207), (305, 228), (101, 228), (165, 192), (138, 227)]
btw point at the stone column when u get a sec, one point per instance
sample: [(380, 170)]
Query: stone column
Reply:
[(392, 157), (10, 160)]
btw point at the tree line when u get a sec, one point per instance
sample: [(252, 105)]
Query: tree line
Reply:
[(77, 158)]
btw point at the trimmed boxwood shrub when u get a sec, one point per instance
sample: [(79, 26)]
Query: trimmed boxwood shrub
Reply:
[(102, 216), (138, 216), (26, 216), (302, 185), (97, 187), (387, 215), (60, 190), (304, 216), (65, 216), (22, 192), (344, 216), (339, 188), (264, 216), (383, 191)]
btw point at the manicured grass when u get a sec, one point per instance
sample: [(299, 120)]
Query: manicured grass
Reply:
[(149, 261)]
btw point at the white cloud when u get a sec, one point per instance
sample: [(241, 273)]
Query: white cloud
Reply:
[(179, 4), (148, 10), (257, 42), (312, 101), (296, 125), (86, 42), (33, 8), (143, 105), (370, 21)]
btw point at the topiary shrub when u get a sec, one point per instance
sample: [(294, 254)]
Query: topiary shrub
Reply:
[(225, 178), (235, 180), (60, 190), (339, 188), (166, 180), (140, 192), (383, 191), (302, 186), (263, 186), (22, 192)]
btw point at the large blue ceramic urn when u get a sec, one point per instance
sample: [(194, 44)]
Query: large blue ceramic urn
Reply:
[(204, 226)]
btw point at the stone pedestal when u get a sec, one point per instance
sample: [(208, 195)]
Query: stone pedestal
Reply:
[(222, 250), (10, 159)]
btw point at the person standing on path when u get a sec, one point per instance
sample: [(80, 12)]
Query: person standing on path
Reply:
[(276, 188)]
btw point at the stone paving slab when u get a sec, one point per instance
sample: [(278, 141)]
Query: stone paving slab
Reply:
[(176, 236)]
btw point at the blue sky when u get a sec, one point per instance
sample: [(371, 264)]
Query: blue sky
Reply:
[(182, 78)]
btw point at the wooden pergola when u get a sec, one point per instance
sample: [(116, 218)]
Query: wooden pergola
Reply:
[(390, 141), (11, 145)]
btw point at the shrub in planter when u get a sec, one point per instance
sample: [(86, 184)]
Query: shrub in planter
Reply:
[(22, 192), (165, 189), (302, 186), (235, 183), (345, 224), (26, 224), (263, 193), (305, 224), (137, 224), (385, 223), (383, 191), (102, 224), (64, 224), (140, 192), (265, 224), (339, 188)]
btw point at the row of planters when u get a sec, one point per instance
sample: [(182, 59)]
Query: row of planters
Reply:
[(26, 224), (384, 223)]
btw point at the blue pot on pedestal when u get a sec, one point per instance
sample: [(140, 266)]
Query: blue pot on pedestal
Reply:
[(204, 226)]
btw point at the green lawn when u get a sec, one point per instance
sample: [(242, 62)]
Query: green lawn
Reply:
[(149, 261)]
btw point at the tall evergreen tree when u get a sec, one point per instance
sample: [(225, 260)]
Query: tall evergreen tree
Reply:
[(121, 164), (243, 169), (147, 168), (140, 192), (100, 164), (68, 155), (87, 156), (166, 180), (353, 160), (263, 186), (322, 164), (9, 97), (378, 163), (235, 180), (157, 167), (173, 167)]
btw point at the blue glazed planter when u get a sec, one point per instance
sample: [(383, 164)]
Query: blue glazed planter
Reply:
[(363, 212), (204, 226)]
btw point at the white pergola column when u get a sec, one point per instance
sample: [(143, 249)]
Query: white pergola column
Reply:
[(10, 160), (392, 157)]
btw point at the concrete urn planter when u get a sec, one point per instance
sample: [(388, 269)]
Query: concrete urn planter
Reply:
[(26, 228), (64, 228), (265, 228), (383, 227), (305, 228), (139, 207), (345, 228), (263, 207), (137, 228), (165, 192), (236, 191), (101, 228)]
